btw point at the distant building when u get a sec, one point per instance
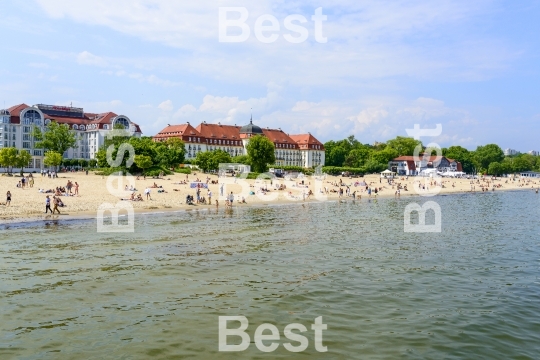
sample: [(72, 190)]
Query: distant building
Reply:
[(290, 150), (510, 152), (408, 165), (534, 153), (17, 122), (530, 174)]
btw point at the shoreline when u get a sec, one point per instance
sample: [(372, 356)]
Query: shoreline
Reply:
[(26, 219)]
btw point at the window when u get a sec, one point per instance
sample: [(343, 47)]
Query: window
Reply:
[(38, 163), (26, 145), (106, 127), (37, 153), (122, 121), (32, 117), (26, 137), (75, 127)]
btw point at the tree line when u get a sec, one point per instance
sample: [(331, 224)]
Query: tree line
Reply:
[(154, 157), (486, 159)]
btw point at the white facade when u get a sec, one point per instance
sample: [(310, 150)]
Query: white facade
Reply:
[(510, 152), (16, 130), (312, 158)]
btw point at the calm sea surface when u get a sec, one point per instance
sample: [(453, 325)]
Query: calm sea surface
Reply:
[(470, 292)]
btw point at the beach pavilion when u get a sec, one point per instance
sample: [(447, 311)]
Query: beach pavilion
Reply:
[(387, 173)]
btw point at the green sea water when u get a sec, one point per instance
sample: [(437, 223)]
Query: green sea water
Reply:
[(469, 292)]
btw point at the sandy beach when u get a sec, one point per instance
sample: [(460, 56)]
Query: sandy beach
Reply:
[(93, 191)]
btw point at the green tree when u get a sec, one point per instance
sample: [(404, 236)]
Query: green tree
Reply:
[(337, 155), (219, 157), (202, 160), (241, 159), (495, 168), (358, 156), (52, 158), (384, 156), (210, 160), (485, 155), (8, 157), (92, 163), (507, 165), (520, 164), (22, 160), (56, 137), (373, 166), (261, 153), (101, 158), (462, 155), (404, 145), (143, 162), (170, 153)]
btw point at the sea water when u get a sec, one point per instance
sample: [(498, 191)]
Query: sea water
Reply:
[(471, 291)]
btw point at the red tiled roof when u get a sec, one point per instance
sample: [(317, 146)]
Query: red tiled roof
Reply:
[(16, 110), (88, 118), (218, 131), (430, 159), (411, 165), (304, 140), (178, 131), (278, 136)]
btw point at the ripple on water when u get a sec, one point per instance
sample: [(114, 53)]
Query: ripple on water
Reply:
[(468, 292)]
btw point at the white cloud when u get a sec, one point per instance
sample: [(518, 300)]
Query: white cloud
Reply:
[(167, 106), (87, 58), (367, 40), (151, 79), (185, 110), (367, 117)]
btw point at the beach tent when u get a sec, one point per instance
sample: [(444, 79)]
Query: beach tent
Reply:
[(386, 173)]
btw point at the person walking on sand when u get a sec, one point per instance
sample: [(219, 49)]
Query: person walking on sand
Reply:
[(76, 189), (209, 197), (55, 205), (147, 193), (47, 204), (8, 198)]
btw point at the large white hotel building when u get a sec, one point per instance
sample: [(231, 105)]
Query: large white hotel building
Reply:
[(17, 122), (290, 150)]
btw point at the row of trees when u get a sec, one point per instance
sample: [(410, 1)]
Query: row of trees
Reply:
[(147, 154), (488, 158), (11, 158)]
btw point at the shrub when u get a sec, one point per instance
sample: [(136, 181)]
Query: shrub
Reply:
[(337, 170), (183, 171), (156, 170)]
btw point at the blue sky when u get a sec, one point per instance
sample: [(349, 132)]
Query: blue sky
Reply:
[(473, 66)]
